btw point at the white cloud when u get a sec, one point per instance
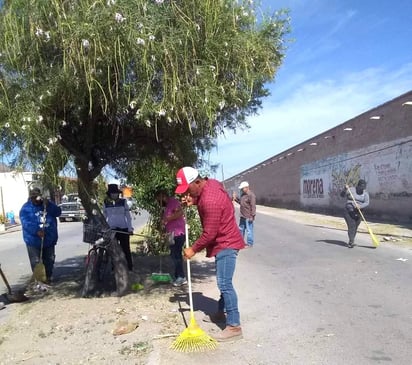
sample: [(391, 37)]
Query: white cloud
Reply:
[(311, 108)]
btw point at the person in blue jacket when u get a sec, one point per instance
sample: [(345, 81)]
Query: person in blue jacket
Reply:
[(38, 219)]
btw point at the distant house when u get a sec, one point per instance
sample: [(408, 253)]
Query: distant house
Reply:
[(14, 189)]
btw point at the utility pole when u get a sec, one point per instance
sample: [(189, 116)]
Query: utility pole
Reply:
[(2, 202)]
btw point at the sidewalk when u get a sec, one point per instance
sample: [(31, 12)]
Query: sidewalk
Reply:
[(386, 231), (11, 228)]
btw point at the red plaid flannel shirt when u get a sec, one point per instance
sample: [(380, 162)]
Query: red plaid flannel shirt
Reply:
[(217, 214)]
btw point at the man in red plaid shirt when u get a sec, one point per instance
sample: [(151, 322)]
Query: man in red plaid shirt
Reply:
[(220, 237)]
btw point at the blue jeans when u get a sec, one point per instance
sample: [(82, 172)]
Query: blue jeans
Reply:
[(225, 262), (48, 258), (246, 226), (177, 255)]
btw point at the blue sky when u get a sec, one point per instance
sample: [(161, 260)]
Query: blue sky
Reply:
[(347, 57)]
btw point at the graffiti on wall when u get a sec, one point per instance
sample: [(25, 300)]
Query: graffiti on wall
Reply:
[(386, 167), (343, 175), (313, 188), (386, 174)]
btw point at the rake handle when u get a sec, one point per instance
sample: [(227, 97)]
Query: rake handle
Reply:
[(5, 281), (189, 275)]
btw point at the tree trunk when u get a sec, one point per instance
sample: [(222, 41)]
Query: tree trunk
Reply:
[(87, 192), (88, 195), (121, 272)]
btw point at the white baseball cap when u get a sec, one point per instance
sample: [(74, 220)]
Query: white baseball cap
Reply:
[(184, 177), (243, 184)]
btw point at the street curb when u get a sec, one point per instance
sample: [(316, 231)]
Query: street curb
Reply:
[(12, 228), (333, 222)]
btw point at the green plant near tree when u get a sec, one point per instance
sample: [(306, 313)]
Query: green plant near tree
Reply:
[(154, 175)]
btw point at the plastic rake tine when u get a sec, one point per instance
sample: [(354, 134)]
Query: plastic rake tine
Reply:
[(193, 338)]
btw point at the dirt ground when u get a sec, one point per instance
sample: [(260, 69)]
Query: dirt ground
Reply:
[(59, 327)]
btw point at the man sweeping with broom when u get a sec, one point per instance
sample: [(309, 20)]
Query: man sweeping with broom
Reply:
[(357, 198), (220, 237), (38, 219)]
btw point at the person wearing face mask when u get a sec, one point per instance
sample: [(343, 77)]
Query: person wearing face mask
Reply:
[(356, 198), (117, 214), (38, 217)]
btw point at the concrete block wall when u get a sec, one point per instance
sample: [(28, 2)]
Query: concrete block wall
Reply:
[(376, 145)]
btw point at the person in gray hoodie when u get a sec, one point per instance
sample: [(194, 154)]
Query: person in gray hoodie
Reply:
[(356, 198)]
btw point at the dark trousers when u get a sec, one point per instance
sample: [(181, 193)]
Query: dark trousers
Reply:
[(124, 241), (352, 224), (48, 257), (177, 256)]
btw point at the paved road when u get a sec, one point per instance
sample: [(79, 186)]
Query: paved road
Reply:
[(305, 298), (312, 300)]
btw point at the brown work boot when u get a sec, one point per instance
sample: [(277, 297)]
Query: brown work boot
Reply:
[(230, 333), (218, 317)]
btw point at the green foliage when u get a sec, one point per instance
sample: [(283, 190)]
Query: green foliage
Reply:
[(158, 241), (113, 82), (195, 226), (151, 176)]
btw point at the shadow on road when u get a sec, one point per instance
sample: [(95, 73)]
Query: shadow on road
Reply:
[(334, 242), (325, 227), (68, 276), (200, 303), (368, 247), (344, 244)]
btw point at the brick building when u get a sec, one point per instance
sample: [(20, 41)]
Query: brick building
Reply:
[(375, 146)]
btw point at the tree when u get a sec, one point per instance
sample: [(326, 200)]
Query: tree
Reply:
[(117, 81)]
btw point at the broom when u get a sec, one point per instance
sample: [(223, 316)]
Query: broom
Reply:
[(161, 277), (39, 271), (375, 240), (193, 338)]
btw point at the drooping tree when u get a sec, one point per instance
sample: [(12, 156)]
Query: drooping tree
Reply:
[(112, 82)]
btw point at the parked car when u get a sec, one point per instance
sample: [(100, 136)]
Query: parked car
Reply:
[(72, 209)]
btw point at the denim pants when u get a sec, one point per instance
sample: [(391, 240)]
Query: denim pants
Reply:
[(177, 256), (225, 262), (48, 257), (352, 224), (246, 226)]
